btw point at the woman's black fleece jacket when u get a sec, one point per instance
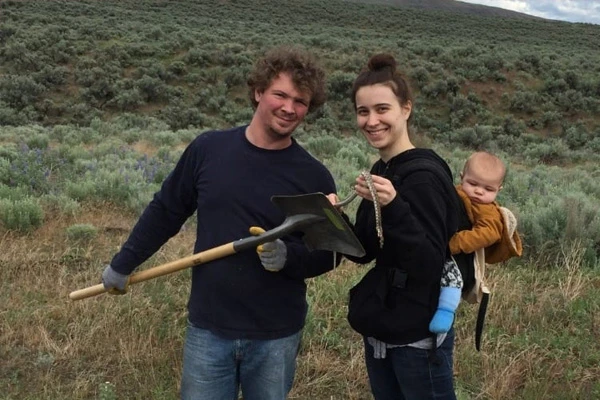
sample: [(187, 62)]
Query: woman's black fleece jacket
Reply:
[(417, 226)]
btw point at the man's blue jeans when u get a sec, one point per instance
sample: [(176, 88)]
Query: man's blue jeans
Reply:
[(408, 373), (216, 369)]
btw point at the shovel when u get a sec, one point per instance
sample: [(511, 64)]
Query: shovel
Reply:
[(312, 214)]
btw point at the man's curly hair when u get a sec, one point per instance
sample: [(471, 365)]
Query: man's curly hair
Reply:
[(302, 66)]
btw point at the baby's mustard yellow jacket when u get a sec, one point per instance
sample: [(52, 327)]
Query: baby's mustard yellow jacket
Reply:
[(494, 228)]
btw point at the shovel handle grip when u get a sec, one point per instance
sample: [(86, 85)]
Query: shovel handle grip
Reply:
[(164, 269), (87, 292)]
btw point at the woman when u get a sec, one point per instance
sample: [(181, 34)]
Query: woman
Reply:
[(395, 301)]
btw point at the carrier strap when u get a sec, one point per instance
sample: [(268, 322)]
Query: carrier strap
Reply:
[(481, 319)]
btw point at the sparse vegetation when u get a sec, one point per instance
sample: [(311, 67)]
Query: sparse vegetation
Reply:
[(98, 99)]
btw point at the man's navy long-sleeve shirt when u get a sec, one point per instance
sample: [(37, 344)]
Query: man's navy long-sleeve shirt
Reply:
[(229, 182)]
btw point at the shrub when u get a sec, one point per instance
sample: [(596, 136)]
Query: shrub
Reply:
[(164, 138), (474, 138), (523, 102), (152, 89), (555, 86), (23, 215), (353, 155), (548, 224), (551, 152), (435, 89), (505, 142), (461, 108), (572, 101), (177, 68), (594, 145), (322, 145), (493, 62), (31, 169), (127, 100), (453, 85), (235, 77), (12, 193), (576, 137), (19, 91), (550, 117), (512, 127), (51, 76), (80, 191), (39, 141), (107, 391), (420, 76), (180, 116), (60, 203), (81, 232), (10, 116), (339, 85), (198, 58)]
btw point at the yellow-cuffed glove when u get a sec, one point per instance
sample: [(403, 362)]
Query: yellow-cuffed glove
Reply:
[(114, 282), (272, 254)]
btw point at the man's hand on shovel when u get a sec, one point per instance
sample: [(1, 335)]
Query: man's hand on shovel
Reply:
[(272, 254), (114, 282)]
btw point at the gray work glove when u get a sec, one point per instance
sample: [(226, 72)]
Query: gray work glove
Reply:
[(272, 255), (114, 282)]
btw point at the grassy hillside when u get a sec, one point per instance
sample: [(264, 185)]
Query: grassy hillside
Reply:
[(185, 63), (98, 99), (453, 6)]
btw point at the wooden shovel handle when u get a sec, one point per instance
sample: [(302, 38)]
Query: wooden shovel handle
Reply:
[(164, 269)]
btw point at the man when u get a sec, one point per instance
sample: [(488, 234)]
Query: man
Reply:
[(246, 311)]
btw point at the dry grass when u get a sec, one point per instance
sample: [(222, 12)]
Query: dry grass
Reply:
[(539, 341), (541, 337)]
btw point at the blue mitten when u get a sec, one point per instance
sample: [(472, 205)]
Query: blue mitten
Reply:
[(444, 315)]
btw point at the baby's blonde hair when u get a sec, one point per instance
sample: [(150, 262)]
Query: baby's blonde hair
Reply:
[(487, 161)]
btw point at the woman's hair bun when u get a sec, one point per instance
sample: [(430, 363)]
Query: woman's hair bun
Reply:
[(381, 61)]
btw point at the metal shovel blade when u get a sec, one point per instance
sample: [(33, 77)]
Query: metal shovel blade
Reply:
[(330, 232)]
